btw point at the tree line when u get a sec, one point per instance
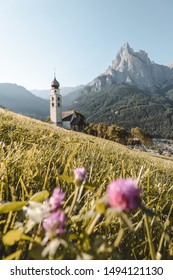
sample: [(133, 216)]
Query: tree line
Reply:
[(118, 134)]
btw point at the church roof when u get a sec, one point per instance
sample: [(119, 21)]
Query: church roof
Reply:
[(67, 116), (55, 83)]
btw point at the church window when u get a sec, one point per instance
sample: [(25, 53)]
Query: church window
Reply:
[(52, 104), (52, 98), (58, 104), (58, 98)]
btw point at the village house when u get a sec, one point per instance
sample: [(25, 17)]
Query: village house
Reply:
[(69, 119)]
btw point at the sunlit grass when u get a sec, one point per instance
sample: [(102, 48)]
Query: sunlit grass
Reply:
[(38, 156)]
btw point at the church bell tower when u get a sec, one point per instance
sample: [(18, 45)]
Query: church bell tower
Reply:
[(55, 103)]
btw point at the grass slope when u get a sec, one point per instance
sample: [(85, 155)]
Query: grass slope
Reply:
[(36, 154)]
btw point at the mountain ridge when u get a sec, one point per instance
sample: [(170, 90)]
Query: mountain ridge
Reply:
[(20, 100), (112, 99), (125, 94), (134, 69)]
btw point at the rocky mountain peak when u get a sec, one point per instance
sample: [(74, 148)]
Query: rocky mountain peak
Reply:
[(126, 47), (127, 56), (135, 69)]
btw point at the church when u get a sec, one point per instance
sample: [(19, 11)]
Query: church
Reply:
[(69, 119)]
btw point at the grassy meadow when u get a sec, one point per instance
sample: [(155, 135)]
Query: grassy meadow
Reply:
[(36, 157)]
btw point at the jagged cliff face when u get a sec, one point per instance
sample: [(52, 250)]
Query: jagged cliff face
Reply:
[(134, 69), (132, 92)]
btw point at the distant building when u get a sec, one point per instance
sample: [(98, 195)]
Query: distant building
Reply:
[(68, 119)]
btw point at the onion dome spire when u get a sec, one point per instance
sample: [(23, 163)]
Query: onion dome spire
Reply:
[(55, 84)]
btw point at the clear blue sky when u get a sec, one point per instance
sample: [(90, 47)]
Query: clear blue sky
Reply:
[(80, 38)]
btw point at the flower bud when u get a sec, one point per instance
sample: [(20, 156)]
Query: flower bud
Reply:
[(79, 175)]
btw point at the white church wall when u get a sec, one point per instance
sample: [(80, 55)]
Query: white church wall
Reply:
[(66, 124), (55, 105), (53, 114)]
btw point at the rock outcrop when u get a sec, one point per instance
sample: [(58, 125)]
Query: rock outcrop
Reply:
[(134, 69)]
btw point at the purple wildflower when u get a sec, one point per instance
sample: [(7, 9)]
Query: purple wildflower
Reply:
[(124, 195), (54, 225), (79, 175), (56, 200)]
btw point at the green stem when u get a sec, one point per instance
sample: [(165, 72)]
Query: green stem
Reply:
[(149, 236), (148, 187), (93, 223), (161, 243), (7, 222), (80, 192), (165, 226), (74, 200)]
